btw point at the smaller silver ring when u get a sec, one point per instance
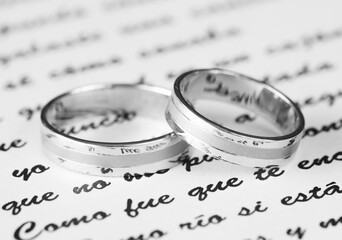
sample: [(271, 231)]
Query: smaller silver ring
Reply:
[(108, 158), (225, 143)]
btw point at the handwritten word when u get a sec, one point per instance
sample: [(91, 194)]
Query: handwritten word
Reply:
[(129, 177), (269, 171), (299, 232), (189, 162), (302, 71), (99, 184), (223, 6), (330, 98), (306, 42), (27, 231), (133, 212), (29, 112), (203, 193), (16, 208), (314, 193), (95, 65), (334, 126), (231, 61), (200, 222), (209, 36), (156, 234), (305, 164), (26, 174), (23, 81), (34, 49), (59, 16), (17, 143), (109, 118), (331, 222), (246, 212), (147, 25)]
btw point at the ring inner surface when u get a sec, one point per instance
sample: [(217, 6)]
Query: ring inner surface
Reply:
[(111, 114), (243, 92)]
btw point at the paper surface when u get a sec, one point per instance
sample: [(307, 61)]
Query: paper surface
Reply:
[(49, 47)]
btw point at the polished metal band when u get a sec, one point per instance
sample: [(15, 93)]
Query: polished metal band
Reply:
[(108, 158), (225, 143)]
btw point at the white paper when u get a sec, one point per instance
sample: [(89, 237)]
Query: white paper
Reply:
[(46, 48)]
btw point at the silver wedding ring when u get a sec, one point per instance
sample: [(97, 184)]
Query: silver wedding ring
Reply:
[(113, 103), (225, 143), (109, 103)]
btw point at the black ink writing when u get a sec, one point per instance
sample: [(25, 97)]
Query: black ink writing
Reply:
[(15, 207), (34, 49), (28, 231), (29, 112), (129, 176), (200, 222), (299, 232), (315, 193), (147, 25), (331, 222), (306, 41), (312, 131), (302, 71), (21, 82), (209, 36), (17, 143), (189, 161), (258, 208), (99, 184), (71, 70), (26, 173), (59, 16), (306, 164), (269, 171), (202, 193), (133, 212), (232, 61), (329, 98)]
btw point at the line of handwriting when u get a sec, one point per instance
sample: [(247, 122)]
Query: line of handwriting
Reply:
[(34, 49), (29, 24)]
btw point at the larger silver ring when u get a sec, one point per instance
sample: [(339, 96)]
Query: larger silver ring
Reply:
[(111, 101), (229, 144)]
